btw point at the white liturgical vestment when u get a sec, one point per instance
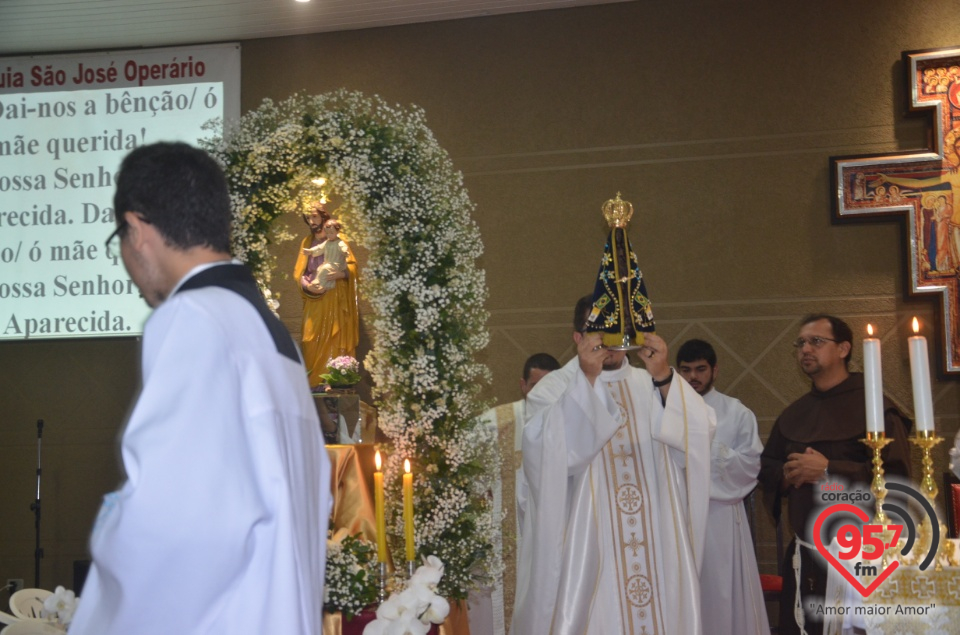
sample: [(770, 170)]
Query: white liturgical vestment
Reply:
[(488, 607), (617, 494), (220, 526), (731, 598)]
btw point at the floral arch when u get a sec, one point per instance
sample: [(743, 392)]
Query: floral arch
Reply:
[(404, 202)]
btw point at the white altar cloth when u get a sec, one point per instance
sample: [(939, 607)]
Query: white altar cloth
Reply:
[(909, 602)]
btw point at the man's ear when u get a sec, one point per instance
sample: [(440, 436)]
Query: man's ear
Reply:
[(845, 347), (577, 336), (137, 230), (133, 226)]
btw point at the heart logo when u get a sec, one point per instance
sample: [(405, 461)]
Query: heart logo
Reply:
[(825, 552)]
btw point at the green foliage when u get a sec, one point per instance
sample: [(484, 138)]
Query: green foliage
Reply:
[(350, 584)]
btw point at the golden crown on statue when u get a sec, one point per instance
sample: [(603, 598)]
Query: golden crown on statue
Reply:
[(617, 212)]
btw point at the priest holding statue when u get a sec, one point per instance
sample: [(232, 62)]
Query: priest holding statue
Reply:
[(616, 463)]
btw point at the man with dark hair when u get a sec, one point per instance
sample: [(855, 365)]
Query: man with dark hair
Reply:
[(729, 579), (220, 525), (841, 334), (196, 216), (815, 440), (699, 350), (617, 464), (490, 611), (534, 369)]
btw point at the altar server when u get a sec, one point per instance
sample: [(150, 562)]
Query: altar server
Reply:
[(491, 608), (731, 597), (617, 465), (220, 525)]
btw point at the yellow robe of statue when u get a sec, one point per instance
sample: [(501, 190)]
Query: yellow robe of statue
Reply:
[(331, 323)]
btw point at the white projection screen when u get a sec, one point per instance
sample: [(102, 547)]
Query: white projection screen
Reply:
[(66, 122)]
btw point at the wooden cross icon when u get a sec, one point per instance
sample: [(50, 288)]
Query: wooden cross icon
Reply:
[(923, 186)]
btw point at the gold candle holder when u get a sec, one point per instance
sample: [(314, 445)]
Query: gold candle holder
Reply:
[(926, 440), (876, 441)]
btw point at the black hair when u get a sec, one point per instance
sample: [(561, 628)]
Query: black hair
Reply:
[(581, 312), (541, 361), (841, 330), (693, 350), (178, 189)]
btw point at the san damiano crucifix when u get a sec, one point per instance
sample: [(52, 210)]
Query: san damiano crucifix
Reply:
[(923, 186)]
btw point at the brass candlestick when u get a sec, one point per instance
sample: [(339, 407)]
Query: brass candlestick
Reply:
[(926, 440), (877, 441)]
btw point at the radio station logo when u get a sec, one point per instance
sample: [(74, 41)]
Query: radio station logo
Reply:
[(862, 543)]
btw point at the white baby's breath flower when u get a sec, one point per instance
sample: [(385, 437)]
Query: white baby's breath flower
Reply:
[(407, 205)]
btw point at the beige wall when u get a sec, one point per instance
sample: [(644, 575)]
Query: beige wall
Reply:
[(716, 119)]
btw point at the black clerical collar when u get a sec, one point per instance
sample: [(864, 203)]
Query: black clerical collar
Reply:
[(235, 277)]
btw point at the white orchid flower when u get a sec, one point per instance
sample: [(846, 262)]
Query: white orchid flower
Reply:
[(408, 624), (429, 573), (61, 605), (392, 608), (438, 610), (417, 598), (376, 627)]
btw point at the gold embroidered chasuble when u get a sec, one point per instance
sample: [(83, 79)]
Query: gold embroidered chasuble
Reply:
[(635, 561), (618, 493)]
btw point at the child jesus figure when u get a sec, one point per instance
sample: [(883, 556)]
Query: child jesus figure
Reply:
[(334, 252)]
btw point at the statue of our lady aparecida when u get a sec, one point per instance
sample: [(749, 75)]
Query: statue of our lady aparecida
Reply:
[(621, 308)]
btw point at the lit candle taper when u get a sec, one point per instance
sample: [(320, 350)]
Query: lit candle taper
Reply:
[(920, 373), (408, 510), (873, 382), (381, 518)]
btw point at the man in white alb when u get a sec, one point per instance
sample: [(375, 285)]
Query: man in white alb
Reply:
[(617, 464), (731, 597), (491, 608), (220, 527)]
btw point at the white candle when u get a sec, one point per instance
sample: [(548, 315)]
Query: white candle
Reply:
[(920, 373), (873, 382)]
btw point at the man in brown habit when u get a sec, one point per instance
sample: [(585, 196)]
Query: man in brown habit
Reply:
[(817, 440)]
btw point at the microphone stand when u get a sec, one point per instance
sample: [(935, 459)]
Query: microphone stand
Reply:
[(38, 552)]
